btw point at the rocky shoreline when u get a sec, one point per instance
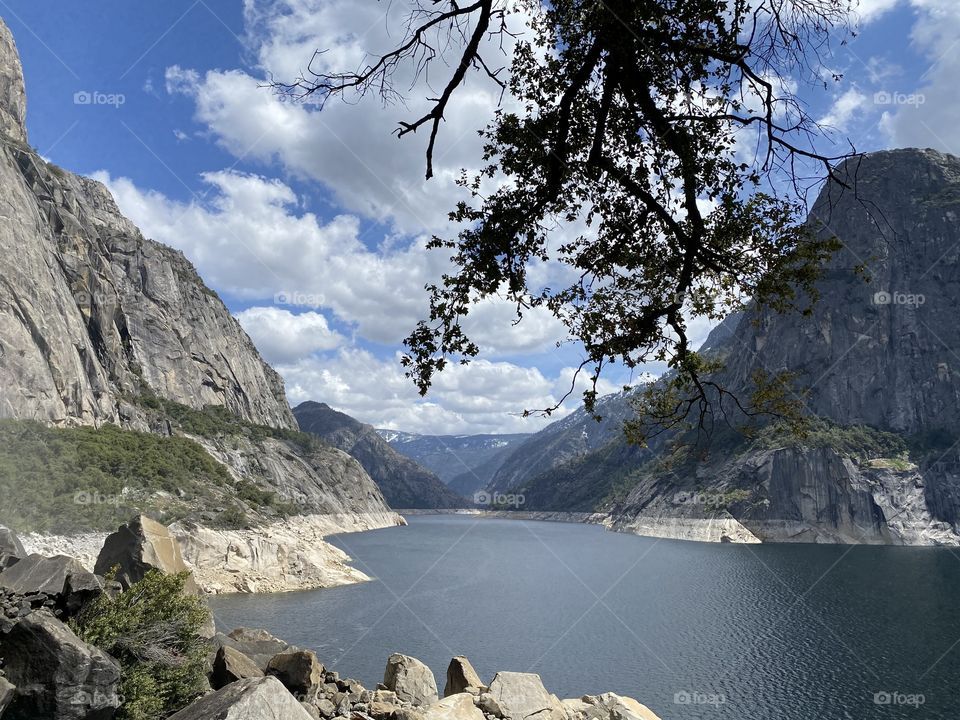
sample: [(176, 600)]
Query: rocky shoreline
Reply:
[(47, 672)]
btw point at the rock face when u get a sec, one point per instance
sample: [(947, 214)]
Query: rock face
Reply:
[(138, 547), (298, 670), (249, 699), (231, 665), (258, 645), (38, 574), (404, 483), (874, 354), (11, 549), (522, 695), (90, 309), (99, 325), (411, 680), (455, 707), (56, 674), (461, 676)]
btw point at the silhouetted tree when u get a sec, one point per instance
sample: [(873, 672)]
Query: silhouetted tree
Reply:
[(673, 128)]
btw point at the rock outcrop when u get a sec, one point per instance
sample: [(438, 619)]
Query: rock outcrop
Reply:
[(38, 574), (872, 362), (56, 674), (139, 546), (101, 326), (404, 483)]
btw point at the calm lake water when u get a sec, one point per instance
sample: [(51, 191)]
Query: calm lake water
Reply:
[(725, 632)]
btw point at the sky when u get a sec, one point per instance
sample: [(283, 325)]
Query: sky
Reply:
[(311, 224)]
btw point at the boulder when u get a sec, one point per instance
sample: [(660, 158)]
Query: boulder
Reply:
[(299, 670), (411, 680), (611, 706), (246, 699), (138, 547), (382, 710), (408, 713), (326, 708), (6, 694), (231, 665), (80, 589), (521, 695), (11, 549), (454, 707), (460, 676), (576, 708), (258, 645), (39, 574), (57, 675)]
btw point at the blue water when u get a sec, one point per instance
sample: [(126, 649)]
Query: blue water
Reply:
[(726, 632)]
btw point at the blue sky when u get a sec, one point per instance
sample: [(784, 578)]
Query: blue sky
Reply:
[(272, 202)]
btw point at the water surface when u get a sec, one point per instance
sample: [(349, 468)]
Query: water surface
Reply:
[(731, 632)]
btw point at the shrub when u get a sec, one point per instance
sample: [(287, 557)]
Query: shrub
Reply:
[(152, 631)]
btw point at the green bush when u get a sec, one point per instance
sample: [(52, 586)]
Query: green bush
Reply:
[(152, 631)]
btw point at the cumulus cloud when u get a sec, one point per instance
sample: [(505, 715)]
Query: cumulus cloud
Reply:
[(283, 337), (349, 147), (484, 396), (927, 116)]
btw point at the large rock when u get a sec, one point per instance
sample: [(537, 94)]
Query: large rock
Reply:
[(249, 699), (138, 547), (39, 574), (6, 694), (454, 707), (411, 680), (522, 695), (80, 589), (299, 670), (460, 676), (11, 549), (57, 675), (258, 645), (231, 665), (611, 706)]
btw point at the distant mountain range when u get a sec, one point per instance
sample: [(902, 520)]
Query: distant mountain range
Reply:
[(466, 463), (404, 483)]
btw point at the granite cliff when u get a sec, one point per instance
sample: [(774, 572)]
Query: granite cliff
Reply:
[(874, 363), (103, 328)]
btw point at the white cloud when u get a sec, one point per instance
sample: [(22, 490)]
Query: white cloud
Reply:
[(927, 116), (248, 240), (283, 337), (870, 10), (845, 107), (349, 147), (481, 397)]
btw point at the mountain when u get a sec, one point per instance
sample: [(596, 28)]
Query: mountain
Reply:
[(125, 382), (465, 463), (875, 362), (404, 483)]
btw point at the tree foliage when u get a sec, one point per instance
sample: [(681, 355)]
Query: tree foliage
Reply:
[(152, 630), (663, 138)]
